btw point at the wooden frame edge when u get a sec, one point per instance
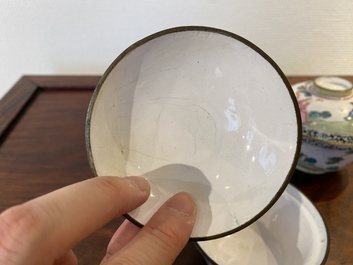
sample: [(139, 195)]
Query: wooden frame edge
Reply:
[(20, 95)]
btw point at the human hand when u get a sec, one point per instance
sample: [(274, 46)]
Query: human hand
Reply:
[(44, 230)]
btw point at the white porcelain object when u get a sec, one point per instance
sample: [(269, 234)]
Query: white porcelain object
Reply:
[(291, 232), (326, 106), (199, 110)]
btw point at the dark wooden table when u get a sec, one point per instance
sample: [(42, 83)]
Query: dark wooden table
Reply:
[(42, 148)]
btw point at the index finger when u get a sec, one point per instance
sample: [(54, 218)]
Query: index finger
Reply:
[(50, 225)]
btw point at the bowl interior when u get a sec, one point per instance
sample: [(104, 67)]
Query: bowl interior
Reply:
[(202, 111), (291, 232)]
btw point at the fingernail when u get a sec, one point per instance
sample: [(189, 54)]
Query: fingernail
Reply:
[(183, 204), (140, 182)]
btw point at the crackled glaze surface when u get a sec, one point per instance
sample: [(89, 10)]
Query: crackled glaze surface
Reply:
[(192, 109)]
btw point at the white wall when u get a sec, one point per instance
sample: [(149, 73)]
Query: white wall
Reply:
[(84, 37)]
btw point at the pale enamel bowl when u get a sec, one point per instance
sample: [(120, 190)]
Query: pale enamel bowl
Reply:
[(291, 232), (199, 110)]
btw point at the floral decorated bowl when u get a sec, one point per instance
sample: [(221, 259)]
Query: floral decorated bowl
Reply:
[(200, 110), (326, 107)]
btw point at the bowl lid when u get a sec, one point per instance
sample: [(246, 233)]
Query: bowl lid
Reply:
[(326, 108)]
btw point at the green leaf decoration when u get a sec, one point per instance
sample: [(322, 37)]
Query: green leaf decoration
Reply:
[(316, 114), (334, 160), (325, 114)]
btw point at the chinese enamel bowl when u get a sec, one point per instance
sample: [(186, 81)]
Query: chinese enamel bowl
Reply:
[(326, 107), (200, 110)]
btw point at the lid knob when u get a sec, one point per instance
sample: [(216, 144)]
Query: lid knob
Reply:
[(332, 86)]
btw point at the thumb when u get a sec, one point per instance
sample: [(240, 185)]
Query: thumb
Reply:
[(162, 239)]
